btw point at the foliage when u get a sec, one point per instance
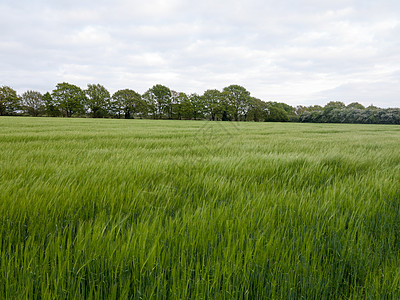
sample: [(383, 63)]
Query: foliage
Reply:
[(183, 107), (159, 98), (257, 110), (353, 115), (51, 108), (33, 103), (334, 105), (69, 98), (278, 112), (355, 105), (213, 99), (238, 98), (233, 103), (128, 102), (9, 101), (97, 100), (198, 105)]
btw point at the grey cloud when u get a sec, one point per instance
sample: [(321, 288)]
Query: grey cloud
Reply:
[(382, 93), (300, 52)]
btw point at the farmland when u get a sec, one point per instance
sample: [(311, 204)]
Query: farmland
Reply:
[(107, 208)]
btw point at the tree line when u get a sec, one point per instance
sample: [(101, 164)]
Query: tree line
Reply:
[(233, 103)]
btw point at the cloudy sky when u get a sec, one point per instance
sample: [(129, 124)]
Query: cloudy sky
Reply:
[(301, 52)]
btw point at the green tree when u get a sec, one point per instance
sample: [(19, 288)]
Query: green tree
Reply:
[(275, 112), (50, 107), (334, 105), (213, 99), (355, 105), (9, 101), (69, 98), (127, 101), (238, 98), (329, 112), (198, 105), (160, 101), (300, 109), (226, 109), (256, 111), (151, 103), (33, 103), (182, 107), (187, 108), (97, 100)]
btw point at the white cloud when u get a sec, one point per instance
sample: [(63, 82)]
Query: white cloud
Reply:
[(299, 52), (90, 36)]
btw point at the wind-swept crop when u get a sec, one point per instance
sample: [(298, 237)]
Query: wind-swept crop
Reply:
[(147, 209)]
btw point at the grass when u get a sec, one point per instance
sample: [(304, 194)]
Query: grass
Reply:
[(141, 209)]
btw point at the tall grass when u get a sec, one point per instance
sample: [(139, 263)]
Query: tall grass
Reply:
[(107, 209)]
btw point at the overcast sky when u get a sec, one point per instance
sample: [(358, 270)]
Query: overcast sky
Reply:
[(300, 52)]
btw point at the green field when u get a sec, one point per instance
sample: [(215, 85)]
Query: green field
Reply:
[(142, 209)]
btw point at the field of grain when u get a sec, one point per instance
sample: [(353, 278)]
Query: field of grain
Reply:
[(147, 209)]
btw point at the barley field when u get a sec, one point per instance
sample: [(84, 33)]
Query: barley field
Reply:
[(157, 209)]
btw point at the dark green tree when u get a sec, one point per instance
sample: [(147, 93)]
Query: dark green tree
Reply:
[(9, 101), (33, 103), (276, 114), (198, 105), (160, 100), (257, 110), (187, 108), (335, 105), (213, 100), (50, 107), (238, 98), (151, 103), (69, 98), (97, 100), (127, 102), (182, 107), (355, 105)]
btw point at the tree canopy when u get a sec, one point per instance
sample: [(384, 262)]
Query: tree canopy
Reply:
[(232, 103), (9, 101), (69, 98), (97, 100), (33, 103)]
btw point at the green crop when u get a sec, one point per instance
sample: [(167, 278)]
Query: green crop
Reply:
[(141, 209)]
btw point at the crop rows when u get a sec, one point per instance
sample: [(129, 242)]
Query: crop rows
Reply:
[(107, 209)]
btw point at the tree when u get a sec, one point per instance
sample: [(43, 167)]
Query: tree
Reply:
[(32, 103), (151, 103), (238, 98), (50, 107), (98, 100), (213, 99), (275, 113), (9, 101), (334, 105), (257, 110), (69, 98), (127, 101), (160, 101), (181, 106), (300, 109), (355, 105), (227, 110), (315, 108), (329, 112), (198, 106)]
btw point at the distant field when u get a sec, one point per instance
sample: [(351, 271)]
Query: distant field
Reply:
[(196, 210)]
